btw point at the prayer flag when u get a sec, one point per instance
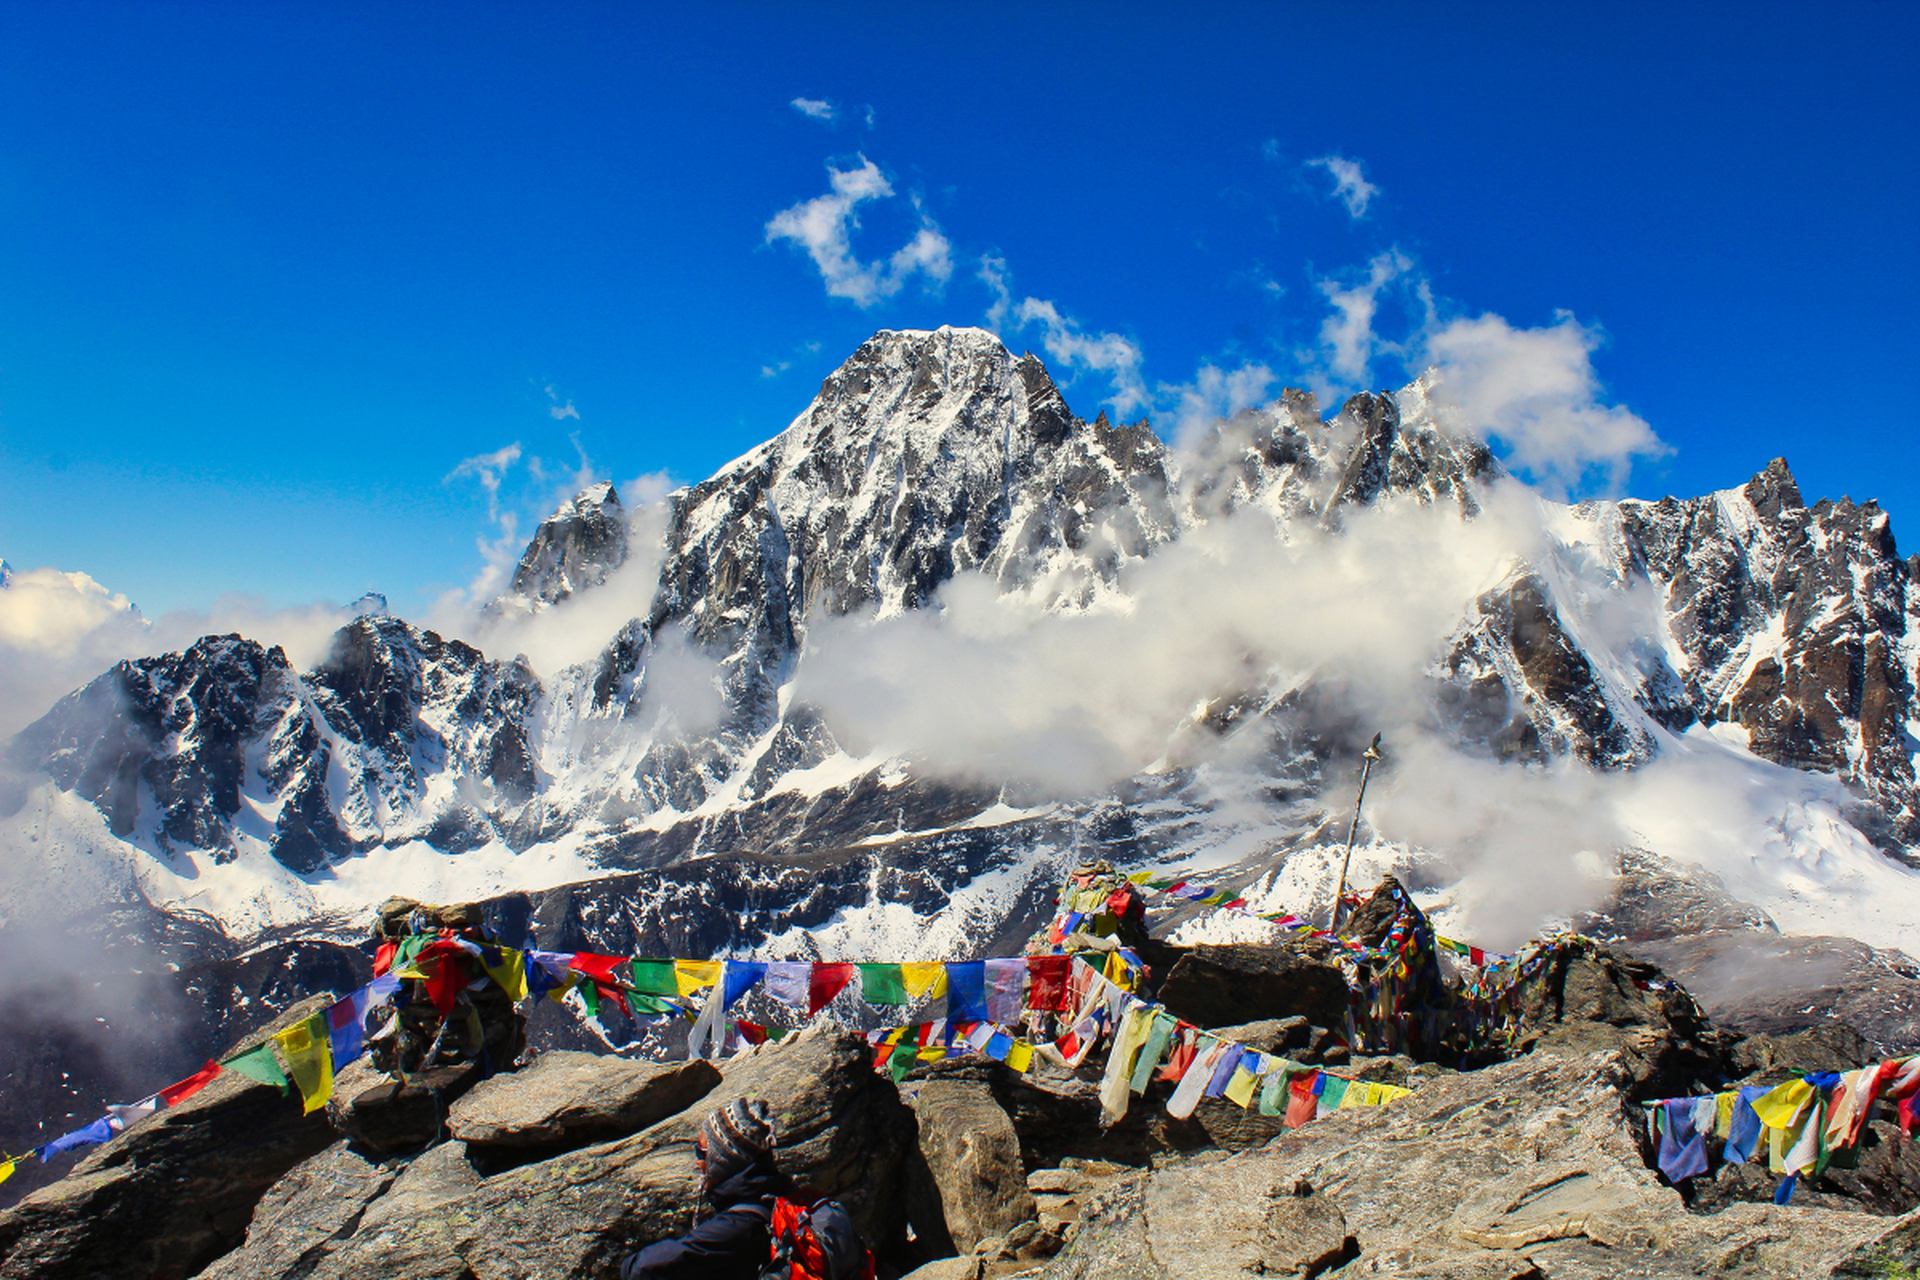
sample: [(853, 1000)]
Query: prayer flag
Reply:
[(1333, 1092), (1007, 980), (309, 1060), (742, 975), (6, 1169), (549, 972), (882, 984), (1047, 982), (175, 1094), (922, 979), (605, 971), (1159, 1035), (1239, 1090), (508, 969), (1223, 1070), (1302, 1103), (654, 977), (787, 981), (1020, 1056), (967, 991), (125, 1116), (828, 981), (694, 976), (259, 1064), (97, 1132)]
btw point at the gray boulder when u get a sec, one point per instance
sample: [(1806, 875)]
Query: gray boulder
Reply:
[(973, 1154), (1219, 986), (567, 1100)]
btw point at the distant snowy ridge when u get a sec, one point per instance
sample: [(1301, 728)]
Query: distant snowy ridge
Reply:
[(1766, 638)]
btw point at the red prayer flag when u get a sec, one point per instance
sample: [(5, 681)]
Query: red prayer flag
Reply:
[(178, 1093), (1304, 1103), (827, 982), (383, 957), (1047, 982), (601, 968)]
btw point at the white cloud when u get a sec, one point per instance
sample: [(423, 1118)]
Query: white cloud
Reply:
[(1071, 348), (1213, 394), (1535, 392), (775, 369), (59, 630), (824, 226), (993, 273), (559, 411), (814, 108), (489, 469), (1350, 185), (1347, 337)]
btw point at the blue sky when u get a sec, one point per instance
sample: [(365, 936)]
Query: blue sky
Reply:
[(269, 274)]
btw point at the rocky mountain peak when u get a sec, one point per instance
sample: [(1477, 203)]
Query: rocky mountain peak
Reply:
[(6, 575), (574, 548), (1773, 490)]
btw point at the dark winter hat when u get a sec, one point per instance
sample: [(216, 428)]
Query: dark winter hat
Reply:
[(736, 1136)]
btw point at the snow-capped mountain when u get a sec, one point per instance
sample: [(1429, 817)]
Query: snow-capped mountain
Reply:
[(221, 781)]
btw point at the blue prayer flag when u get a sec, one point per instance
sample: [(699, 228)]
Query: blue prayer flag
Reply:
[(741, 977), (967, 991)]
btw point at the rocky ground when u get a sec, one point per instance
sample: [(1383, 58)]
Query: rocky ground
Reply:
[(1537, 1166)]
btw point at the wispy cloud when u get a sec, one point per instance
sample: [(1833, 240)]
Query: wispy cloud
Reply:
[(1071, 347), (814, 108), (993, 274), (1214, 394), (489, 469), (1350, 185), (557, 410), (824, 227), (775, 369), (1348, 339)]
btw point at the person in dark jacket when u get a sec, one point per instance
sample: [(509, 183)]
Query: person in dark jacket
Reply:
[(738, 1178)]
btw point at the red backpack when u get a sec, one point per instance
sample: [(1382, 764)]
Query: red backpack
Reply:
[(816, 1242)]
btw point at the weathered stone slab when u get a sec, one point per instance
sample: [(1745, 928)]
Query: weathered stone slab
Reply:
[(568, 1099)]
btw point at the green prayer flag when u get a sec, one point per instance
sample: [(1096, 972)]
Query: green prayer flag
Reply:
[(882, 984), (904, 1059), (655, 978), (590, 997), (1331, 1092), (259, 1064)]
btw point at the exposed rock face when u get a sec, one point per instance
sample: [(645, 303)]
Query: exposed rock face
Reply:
[(842, 1132), (1796, 622), (574, 548), (169, 1195), (568, 1100), (1553, 1186), (1217, 986), (971, 1148)]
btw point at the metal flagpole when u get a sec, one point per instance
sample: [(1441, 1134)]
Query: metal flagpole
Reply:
[(1339, 894)]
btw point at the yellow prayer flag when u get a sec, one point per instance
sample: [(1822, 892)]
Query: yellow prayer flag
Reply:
[(510, 974), (1723, 1114), (1359, 1094), (924, 979), (1240, 1088), (1385, 1093), (309, 1055), (1020, 1057), (1778, 1107), (693, 976), (6, 1170)]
